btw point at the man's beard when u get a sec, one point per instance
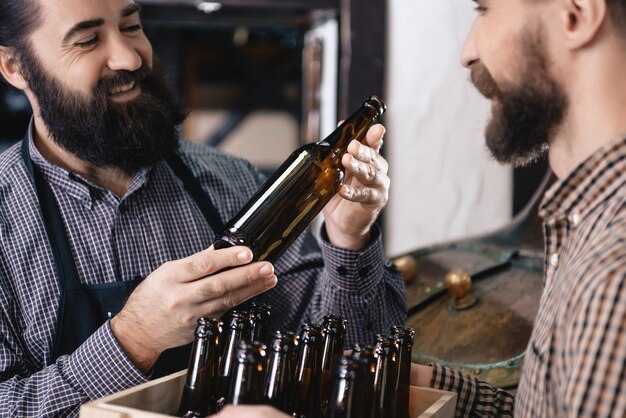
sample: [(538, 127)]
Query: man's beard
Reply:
[(526, 116), (126, 136)]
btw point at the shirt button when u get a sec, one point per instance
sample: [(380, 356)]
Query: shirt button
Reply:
[(554, 260), (85, 200), (575, 218)]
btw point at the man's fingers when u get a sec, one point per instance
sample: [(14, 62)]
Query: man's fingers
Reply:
[(238, 296), (365, 195), (230, 281), (374, 137), (209, 261)]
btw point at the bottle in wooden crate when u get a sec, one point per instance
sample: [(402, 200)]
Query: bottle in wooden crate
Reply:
[(289, 200), (308, 371), (201, 381), (364, 368), (343, 396), (248, 374), (333, 331), (385, 364), (281, 371), (405, 340), (261, 313), (238, 330)]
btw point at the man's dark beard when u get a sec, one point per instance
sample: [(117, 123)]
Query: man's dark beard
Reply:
[(525, 116), (126, 136)]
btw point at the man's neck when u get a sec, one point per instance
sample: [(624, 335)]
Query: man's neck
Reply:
[(113, 179), (596, 115)]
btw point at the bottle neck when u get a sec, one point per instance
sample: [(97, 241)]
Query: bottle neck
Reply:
[(354, 127)]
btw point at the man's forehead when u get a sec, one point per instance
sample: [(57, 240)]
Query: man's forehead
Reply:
[(63, 13)]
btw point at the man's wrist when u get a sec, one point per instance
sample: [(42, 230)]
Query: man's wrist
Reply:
[(139, 350), (354, 242)]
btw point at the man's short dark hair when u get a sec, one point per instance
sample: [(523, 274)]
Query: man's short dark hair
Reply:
[(18, 19), (618, 14)]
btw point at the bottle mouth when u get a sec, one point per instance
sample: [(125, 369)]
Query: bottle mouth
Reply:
[(377, 103)]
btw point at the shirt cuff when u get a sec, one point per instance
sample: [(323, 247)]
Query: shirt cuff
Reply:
[(465, 386), (100, 366), (355, 270)]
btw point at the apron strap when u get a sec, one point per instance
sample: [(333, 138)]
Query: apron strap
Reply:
[(67, 338), (194, 188)]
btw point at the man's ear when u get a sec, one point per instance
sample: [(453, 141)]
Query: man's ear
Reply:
[(10, 68), (582, 21)]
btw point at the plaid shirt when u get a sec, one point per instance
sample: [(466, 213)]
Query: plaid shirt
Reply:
[(575, 363), (116, 238)]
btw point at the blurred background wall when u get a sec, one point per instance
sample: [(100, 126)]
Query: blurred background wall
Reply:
[(444, 185)]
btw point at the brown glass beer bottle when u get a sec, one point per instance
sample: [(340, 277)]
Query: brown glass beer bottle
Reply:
[(248, 375), (261, 313), (289, 200), (202, 371), (333, 331), (385, 358), (342, 399), (405, 338), (308, 368), (281, 371), (237, 331)]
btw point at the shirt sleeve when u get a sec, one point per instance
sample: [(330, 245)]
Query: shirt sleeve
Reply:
[(361, 286), (475, 398), (99, 367)]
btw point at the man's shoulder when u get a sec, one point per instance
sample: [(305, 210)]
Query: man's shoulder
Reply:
[(11, 165), (206, 160)]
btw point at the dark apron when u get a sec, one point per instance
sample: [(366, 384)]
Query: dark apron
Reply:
[(84, 308)]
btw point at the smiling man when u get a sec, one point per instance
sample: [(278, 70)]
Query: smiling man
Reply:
[(554, 72), (106, 220)]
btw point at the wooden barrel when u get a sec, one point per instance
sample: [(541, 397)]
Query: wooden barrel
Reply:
[(472, 303)]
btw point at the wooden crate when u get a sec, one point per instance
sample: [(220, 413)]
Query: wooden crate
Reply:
[(160, 398)]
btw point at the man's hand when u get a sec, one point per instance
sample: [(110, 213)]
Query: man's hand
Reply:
[(162, 312), (350, 215), (421, 375), (251, 411)]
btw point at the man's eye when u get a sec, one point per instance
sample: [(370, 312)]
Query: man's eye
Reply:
[(133, 28), (480, 9), (88, 43)]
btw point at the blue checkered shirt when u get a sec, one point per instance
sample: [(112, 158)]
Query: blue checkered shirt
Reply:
[(575, 364), (115, 238)]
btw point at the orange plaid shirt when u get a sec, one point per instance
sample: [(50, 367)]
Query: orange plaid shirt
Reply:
[(575, 363)]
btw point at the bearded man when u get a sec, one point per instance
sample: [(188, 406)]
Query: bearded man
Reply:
[(106, 220), (554, 72)]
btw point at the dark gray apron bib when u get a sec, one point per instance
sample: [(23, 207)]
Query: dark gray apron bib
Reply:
[(84, 308)]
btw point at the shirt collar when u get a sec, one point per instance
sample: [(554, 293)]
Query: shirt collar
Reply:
[(75, 185), (590, 184)]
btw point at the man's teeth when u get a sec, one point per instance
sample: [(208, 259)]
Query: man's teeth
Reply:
[(123, 89)]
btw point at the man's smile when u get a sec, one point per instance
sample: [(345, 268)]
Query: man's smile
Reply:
[(125, 92)]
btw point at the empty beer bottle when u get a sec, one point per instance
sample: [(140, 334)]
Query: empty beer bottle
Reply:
[(364, 369), (405, 339), (261, 313), (281, 371), (333, 331), (285, 205), (308, 368), (237, 331), (342, 399), (248, 376), (385, 357), (202, 371)]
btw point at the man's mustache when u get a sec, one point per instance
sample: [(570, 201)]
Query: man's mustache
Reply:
[(121, 78), (483, 81)]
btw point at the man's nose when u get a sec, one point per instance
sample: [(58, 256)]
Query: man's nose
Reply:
[(122, 55), (469, 54)]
